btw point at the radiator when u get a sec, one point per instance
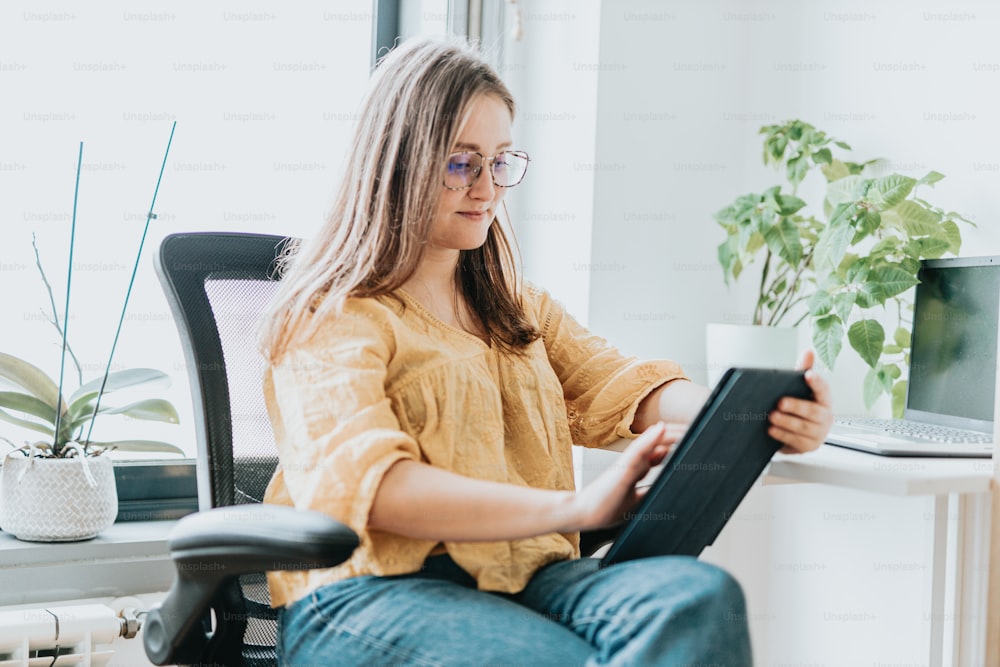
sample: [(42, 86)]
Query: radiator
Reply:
[(60, 636)]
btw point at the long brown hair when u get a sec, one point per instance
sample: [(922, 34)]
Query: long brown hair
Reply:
[(374, 239)]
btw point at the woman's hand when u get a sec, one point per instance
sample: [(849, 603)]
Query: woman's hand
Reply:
[(607, 500), (799, 424), (418, 500)]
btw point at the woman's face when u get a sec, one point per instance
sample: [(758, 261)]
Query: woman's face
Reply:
[(463, 217)]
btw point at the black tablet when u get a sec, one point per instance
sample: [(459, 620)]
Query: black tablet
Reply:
[(711, 468)]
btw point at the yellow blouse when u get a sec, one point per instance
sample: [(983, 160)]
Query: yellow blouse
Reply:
[(384, 382)]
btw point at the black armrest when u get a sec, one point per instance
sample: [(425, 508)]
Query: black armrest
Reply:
[(211, 548)]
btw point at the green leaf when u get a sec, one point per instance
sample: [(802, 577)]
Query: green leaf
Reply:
[(34, 426), (835, 170), (727, 255), (150, 409), (902, 337), (778, 146), (831, 246), (952, 215), (892, 280), (780, 287), (891, 349), (823, 156), (872, 388), (950, 232), (927, 247), (844, 190), (887, 246), (843, 302), (857, 168), (783, 240), (132, 377), (867, 338), (820, 303), (899, 399), (788, 204), (842, 144), (931, 178), (753, 243), (30, 377), (140, 446), (868, 223), (27, 404), (910, 265), (889, 190), (870, 295), (827, 336), (916, 220), (855, 269), (796, 169)]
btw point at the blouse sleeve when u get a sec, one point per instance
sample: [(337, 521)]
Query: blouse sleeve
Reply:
[(602, 388), (337, 434)]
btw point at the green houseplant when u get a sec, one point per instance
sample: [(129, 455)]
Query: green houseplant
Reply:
[(34, 401), (838, 264), (63, 486)]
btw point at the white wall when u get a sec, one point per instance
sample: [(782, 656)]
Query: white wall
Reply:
[(682, 88), (552, 72)]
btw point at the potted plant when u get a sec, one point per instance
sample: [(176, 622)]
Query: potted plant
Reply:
[(63, 487), (853, 254)]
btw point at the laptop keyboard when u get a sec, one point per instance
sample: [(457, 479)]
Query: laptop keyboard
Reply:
[(929, 432)]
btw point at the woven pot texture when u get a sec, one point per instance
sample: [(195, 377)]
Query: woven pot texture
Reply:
[(57, 500)]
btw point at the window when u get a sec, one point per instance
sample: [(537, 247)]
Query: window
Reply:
[(264, 98)]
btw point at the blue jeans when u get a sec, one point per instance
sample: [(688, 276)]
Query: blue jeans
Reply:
[(668, 611)]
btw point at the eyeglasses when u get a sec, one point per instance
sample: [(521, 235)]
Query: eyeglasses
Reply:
[(462, 170)]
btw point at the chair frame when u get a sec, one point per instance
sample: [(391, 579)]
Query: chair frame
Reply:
[(223, 541)]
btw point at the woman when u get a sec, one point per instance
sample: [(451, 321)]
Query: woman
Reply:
[(423, 396)]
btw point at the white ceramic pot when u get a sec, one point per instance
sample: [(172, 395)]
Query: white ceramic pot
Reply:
[(57, 500), (748, 346)]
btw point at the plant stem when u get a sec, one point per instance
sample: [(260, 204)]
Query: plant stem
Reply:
[(135, 268), (55, 313), (782, 308), (758, 314), (56, 445)]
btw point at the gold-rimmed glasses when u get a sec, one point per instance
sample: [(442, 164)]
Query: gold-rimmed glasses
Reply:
[(507, 168)]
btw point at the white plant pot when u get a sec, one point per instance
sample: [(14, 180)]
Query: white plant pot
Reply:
[(57, 500), (748, 346)]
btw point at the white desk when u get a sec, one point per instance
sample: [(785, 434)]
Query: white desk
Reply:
[(960, 488)]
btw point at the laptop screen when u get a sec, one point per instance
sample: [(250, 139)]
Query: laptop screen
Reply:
[(954, 348)]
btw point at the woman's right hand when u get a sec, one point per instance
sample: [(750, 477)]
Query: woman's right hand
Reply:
[(607, 500), (423, 502)]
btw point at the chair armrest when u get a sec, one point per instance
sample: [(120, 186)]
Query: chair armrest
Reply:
[(211, 548), (243, 539)]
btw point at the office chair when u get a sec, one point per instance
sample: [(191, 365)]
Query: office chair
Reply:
[(218, 610)]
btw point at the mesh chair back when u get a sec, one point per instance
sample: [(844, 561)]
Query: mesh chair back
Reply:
[(218, 285)]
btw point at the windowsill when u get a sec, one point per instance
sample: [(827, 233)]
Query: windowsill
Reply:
[(126, 559)]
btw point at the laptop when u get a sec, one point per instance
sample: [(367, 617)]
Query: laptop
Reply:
[(953, 362)]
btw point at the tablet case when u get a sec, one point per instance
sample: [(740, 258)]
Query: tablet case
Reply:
[(710, 470)]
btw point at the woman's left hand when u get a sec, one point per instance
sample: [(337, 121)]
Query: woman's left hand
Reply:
[(801, 425)]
